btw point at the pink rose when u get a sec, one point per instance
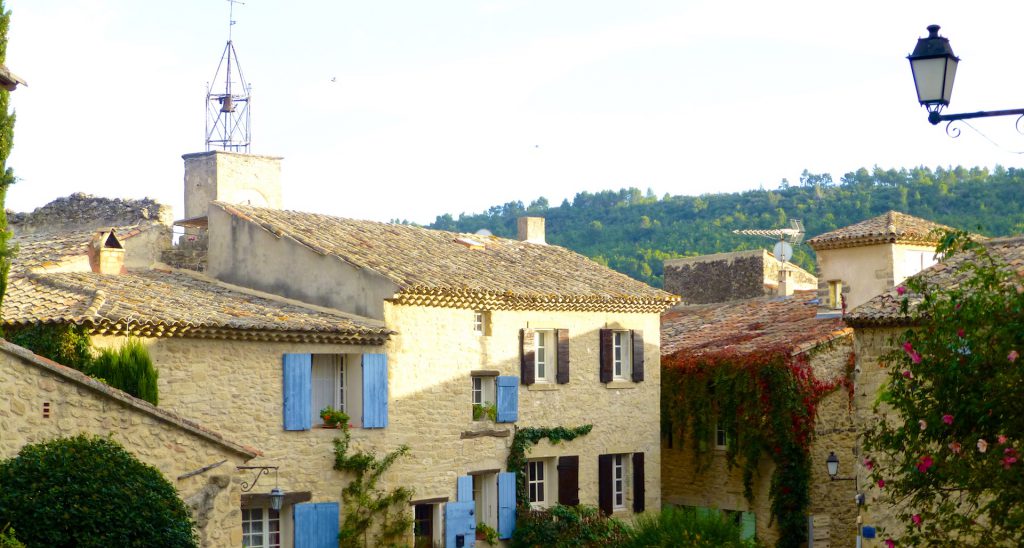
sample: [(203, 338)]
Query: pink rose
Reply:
[(868, 464), (915, 357), (907, 347), (961, 333), (901, 290), (982, 445), (890, 543), (881, 483), (908, 375), (955, 447), (916, 519), (924, 463), (1001, 438), (1012, 356), (948, 419)]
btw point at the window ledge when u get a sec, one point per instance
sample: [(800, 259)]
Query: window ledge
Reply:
[(491, 433), (620, 384), (541, 387)]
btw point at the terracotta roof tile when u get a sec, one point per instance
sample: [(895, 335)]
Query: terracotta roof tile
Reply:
[(47, 249), (884, 309), (162, 303), (432, 268), (890, 227), (748, 326)]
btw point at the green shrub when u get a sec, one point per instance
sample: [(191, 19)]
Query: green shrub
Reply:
[(7, 538), (565, 526), (89, 491), (685, 527), (128, 368), (65, 344)]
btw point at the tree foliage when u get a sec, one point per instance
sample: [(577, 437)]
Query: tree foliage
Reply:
[(610, 226), (90, 492), (523, 440), (947, 457), (66, 344), (128, 368), (567, 526), (6, 173)]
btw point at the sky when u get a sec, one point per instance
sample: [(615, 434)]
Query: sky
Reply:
[(408, 109)]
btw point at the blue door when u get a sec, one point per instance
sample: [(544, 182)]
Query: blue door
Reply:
[(460, 524)]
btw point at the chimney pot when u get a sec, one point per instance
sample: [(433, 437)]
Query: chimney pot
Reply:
[(106, 254), (531, 229)]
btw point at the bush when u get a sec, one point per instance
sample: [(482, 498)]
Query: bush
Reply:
[(65, 344), (7, 538), (685, 527), (128, 368), (563, 526), (89, 491)]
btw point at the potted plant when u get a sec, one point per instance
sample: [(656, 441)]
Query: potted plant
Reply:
[(333, 418), (486, 533), (485, 411)]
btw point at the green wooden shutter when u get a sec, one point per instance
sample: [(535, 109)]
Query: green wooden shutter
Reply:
[(297, 389)]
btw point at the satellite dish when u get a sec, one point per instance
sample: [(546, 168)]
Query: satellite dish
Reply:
[(783, 252), (483, 232)]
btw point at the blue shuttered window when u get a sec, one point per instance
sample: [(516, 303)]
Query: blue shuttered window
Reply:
[(316, 525), (465, 488), (459, 522), (506, 504), (298, 372), (375, 390), (507, 389)]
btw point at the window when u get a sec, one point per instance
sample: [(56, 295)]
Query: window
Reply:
[(721, 436), (483, 398), (835, 294), (425, 532), (333, 374), (482, 322), (485, 497), (537, 482), (545, 354), (619, 481), (621, 345), (261, 527)]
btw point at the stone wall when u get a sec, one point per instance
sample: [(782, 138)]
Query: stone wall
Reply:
[(78, 404), (236, 388), (732, 276), (85, 211), (684, 483)]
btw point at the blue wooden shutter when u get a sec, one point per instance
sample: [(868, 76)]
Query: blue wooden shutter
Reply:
[(316, 525), (375, 390), (465, 488), (297, 387), (506, 504), (748, 526), (459, 521), (508, 398)]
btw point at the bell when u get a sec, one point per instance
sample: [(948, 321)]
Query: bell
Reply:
[(226, 105)]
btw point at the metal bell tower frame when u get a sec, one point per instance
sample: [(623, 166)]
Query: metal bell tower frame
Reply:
[(227, 101)]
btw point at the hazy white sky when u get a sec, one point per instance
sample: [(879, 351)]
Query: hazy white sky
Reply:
[(454, 106)]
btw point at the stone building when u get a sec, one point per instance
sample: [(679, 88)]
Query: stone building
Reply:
[(444, 342), (731, 276), (731, 330), (862, 260), (878, 325)]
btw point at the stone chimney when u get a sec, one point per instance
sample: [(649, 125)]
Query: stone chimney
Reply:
[(231, 177), (786, 282), (531, 229), (106, 254)]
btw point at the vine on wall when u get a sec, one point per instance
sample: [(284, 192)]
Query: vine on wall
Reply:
[(525, 438), (768, 403)]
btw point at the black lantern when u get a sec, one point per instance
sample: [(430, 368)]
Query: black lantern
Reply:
[(934, 68), (276, 498), (832, 463)]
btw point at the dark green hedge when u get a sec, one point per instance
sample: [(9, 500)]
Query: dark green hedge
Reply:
[(88, 491)]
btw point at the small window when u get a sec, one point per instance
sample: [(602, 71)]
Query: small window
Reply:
[(622, 344), (332, 378), (485, 497), (835, 294), (482, 322), (721, 436), (537, 482), (261, 527), (484, 407), (619, 464), (546, 354), (426, 531)]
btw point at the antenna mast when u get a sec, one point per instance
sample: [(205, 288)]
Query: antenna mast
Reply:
[(227, 112)]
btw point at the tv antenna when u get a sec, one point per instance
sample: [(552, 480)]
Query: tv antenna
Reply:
[(227, 112), (785, 238)]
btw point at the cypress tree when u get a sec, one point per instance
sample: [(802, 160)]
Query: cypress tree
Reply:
[(6, 173)]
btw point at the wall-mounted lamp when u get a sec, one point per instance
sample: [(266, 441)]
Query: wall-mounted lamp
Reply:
[(832, 464), (276, 494), (934, 67)]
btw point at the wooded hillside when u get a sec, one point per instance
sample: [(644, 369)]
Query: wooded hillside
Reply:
[(633, 232)]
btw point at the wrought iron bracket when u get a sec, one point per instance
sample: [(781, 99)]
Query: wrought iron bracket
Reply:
[(935, 118), (837, 478), (260, 471)]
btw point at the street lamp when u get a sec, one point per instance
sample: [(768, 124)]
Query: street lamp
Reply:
[(832, 464), (934, 67)]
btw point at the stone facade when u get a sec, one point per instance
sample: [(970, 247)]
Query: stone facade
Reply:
[(231, 177), (44, 400), (869, 270), (730, 276), (85, 211), (832, 507)]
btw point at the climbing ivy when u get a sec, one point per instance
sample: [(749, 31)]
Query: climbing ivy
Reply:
[(525, 438), (365, 504), (767, 402)]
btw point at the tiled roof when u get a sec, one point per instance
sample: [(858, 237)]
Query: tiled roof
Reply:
[(166, 304), (884, 309), (432, 267), (752, 325), (891, 227), (49, 249), (137, 405)]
